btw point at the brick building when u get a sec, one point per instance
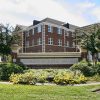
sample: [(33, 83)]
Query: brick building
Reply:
[(47, 42), (49, 35)]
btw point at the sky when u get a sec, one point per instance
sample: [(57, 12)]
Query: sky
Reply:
[(76, 12)]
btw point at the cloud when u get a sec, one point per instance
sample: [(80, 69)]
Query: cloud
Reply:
[(96, 13), (86, 5), (25, 11)]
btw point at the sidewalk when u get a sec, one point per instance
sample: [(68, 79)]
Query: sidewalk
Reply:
[(95, 83), (5, 83)]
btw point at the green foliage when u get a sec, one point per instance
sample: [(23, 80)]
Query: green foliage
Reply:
[(6, 69), (85, 67), (69, 77), (91, 41), (98, 67), (60, 76), (5, 39), (41, 76), (44, 75), (26, 78), (95, 78), (24, 67)]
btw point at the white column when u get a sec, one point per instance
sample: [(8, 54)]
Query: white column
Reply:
[(22, 41), (43, 37), (64, 41)]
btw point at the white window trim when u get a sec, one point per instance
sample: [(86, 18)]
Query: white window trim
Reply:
[(50, 41), (73, 44), (59, 30), (59, 42), (50, 28), (67, 43), (39, 41), (39, 28), (33, 31), (66, 33)]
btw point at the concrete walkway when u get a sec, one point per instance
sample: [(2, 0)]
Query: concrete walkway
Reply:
[(6, 83), (95, 83)]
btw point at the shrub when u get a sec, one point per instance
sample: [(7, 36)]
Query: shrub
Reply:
[(98, 67), (24, 67), (41, 76), (85, 67), (69, 77), (6, 69), (27, 78), (95, 78)]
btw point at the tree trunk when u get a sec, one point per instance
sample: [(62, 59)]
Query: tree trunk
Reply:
[(94, 59)]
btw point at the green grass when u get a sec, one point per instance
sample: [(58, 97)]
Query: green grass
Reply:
[(28, 92)]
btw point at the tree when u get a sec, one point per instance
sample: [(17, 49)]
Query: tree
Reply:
[(6, 39), (90, 42)]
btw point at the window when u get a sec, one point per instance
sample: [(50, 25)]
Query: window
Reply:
[(67, 44), (50, 41), (73, 44), (66, 33), (27, 43), (59, 42), (27, 33), (49, 28), (33, 31), (33, 42), (39, 28), (59, 30), (39, 41), (73, 34)]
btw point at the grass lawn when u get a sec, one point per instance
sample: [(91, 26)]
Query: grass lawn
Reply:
[(25, 92)]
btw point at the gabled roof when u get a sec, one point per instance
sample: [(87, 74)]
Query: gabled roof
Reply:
[(50, 20)]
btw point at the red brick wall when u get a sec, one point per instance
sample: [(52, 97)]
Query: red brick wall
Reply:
[(49, 48)]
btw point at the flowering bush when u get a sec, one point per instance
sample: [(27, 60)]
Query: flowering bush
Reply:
[(27, 78), (65, 78), (62, 77)]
